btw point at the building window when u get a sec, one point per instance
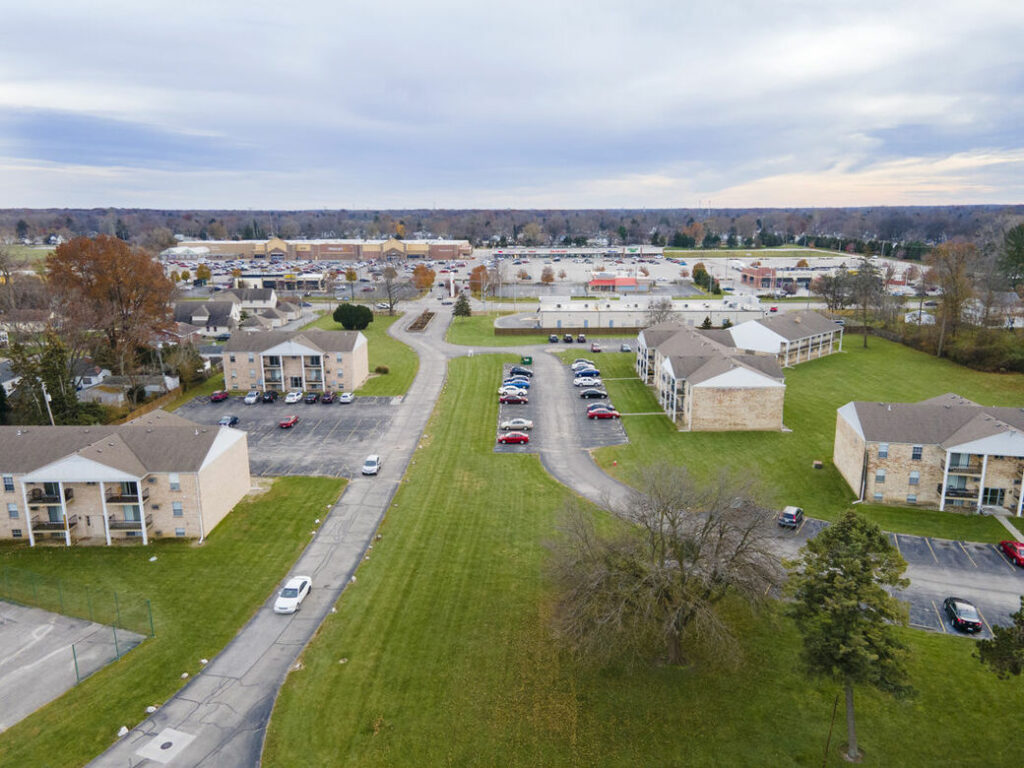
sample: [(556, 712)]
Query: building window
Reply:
[(133, 534), (16, 533), (12, 511), (234, 374), (911, 498), (179, 532), (916, 452), (915, 477), (878, 495), (178, 510), (883, 450), (252, 373), (131, 513), (8, 483), (231, 357), (174, 480), (252, 357), (879, 476), (339, 357)]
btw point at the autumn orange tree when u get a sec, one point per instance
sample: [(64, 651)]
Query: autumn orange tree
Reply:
[(113, 288), (478, 280), (423, 277)]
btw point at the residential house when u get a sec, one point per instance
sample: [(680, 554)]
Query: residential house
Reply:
[(8, 379), (113, 390), (309, 360), (159, 476), (213, 318), (946, 452), (793, 337)]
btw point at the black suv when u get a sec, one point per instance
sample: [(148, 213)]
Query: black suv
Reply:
[(553, 339), (518, 370), (567, 338), (581, 339), (270, 396)]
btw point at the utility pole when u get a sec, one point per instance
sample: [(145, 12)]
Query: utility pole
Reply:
[(46, 399)]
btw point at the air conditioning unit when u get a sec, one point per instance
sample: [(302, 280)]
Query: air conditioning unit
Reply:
[(151, 479), (34, 509), (154, 506)]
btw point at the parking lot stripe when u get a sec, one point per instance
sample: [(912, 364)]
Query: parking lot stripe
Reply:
[(967, 553), (929, 543), (1004, 558), (896, 542), (939, 616), (802, 524), (985, 621)]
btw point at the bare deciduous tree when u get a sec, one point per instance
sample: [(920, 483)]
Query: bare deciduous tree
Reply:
[(659, 311), (652, 588)]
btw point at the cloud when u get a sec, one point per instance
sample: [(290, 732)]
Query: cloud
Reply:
[(647, 103)]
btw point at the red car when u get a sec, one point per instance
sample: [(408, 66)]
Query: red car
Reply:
[(1014, 550), (603, 414), (288, 422), (514, 399), (514, 437), (219, 395)]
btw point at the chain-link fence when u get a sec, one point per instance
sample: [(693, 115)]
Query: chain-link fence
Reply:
[(71, 598)]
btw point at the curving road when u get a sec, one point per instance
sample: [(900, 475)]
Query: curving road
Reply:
[(218, 720)]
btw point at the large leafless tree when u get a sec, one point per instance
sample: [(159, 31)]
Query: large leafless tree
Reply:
[(652, 588)]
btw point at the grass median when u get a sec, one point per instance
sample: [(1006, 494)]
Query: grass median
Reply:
[(440, 653), (400, 359), (478, 331), (200, 596)]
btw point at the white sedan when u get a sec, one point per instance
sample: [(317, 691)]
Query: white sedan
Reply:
[(252, 398), (292, 397), (346, 397), (294, 592), (586, 381), (517, 424), (511, 389)]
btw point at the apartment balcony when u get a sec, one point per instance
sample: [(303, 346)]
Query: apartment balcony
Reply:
[(118, 496), (40, 496), (40, 524), (971, 469), (129, 525), (958, 493)]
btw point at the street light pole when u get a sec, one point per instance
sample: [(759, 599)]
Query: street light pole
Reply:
[(46, 399)]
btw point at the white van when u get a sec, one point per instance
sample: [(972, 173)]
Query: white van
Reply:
[(372, 465)]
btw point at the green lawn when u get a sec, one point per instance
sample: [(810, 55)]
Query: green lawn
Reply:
[(814, 390), (201, 596), (478, 331), (34, 254), (400, 358), (440, 654), (205, 389)]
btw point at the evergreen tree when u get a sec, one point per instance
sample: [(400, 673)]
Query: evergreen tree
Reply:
[(847, 618), (1004, 652), (462, 306)]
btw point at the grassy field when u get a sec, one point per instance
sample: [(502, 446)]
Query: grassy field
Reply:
[(30, 253), (200, 596), (440, 653), (478, 331), (400, 359), (205, 389), (814, 390)]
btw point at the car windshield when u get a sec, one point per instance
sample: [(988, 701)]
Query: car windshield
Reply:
[(967, 612), (370, 463), (289, 592)]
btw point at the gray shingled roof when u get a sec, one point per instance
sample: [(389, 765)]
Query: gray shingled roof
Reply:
[(931, 423), (799, 324), (324, 341), (219, 312), (136, 448)]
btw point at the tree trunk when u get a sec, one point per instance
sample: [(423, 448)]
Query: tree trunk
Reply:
[(852, 753)]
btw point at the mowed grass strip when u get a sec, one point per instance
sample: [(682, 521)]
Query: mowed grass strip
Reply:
[(441, 653), (478, 331), (201, 597), (885, 371), (401, 360)]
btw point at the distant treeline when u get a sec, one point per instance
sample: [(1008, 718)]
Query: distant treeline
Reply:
[(910, 229)]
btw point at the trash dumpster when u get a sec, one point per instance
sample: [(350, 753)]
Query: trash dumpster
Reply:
[(526, 360)]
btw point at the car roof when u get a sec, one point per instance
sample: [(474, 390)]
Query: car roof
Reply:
[(296, 581), (373, 457)]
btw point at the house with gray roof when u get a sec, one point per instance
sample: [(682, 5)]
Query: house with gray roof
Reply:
[(310, 361), (212, 318), (946, 452), (158, 476)]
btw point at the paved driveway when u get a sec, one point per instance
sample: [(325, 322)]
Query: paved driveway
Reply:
[(329, 440)]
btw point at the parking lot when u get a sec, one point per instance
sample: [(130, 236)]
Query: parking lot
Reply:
[(929, 562), (329, 440)]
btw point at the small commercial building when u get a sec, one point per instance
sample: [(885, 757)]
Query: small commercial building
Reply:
[(159, 476), (310, 361), (946, 452), (630, 313)]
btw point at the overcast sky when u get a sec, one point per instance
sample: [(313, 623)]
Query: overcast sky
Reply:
[(309, 104)]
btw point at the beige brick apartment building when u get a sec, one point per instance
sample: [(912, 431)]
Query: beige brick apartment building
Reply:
[(946, 452), (159, 476), (311, 361)]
